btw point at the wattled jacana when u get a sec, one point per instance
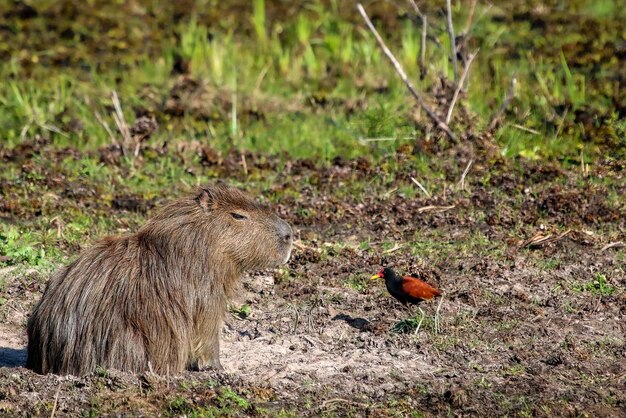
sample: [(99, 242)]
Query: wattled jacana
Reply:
[(406, 289)]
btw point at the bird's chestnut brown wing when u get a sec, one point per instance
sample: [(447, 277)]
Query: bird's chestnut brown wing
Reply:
[(418, 289)]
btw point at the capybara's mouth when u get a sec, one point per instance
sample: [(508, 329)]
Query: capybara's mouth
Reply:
[(287, 256)]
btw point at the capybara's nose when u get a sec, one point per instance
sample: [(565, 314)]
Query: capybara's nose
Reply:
[(284, 231)]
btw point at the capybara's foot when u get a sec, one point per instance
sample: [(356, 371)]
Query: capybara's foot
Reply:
[(213, 365)]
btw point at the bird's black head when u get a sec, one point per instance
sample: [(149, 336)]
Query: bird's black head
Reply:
[(385, 273)]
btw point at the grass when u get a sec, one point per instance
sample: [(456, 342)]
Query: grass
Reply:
[(358, 282), (598, 286), (226, 402), (23, 247), (243, 311), (318, 55)]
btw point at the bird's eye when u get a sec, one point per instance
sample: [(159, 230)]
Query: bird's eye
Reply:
[(238, 216)]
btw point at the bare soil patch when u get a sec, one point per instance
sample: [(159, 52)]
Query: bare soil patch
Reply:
[(523, 329)]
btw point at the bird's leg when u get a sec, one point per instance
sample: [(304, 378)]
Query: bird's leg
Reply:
[(421, 320), (410, 309)]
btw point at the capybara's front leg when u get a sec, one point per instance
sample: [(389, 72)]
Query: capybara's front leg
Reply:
[(211, 360), (207, 353), (209, 357)]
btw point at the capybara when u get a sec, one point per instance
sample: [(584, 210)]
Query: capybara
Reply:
[(155, 300)]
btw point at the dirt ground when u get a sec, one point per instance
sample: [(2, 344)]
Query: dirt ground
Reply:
[(532, 321)]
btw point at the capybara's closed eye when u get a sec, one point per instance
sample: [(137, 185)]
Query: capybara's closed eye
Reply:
[(156, 299)]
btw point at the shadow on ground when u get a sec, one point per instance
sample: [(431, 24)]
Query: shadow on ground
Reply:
[(12, 357)]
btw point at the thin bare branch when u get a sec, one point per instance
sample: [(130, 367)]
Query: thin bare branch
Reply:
[(416, 9), (452, 40), (525, 129), (422, 63), (422, 57), (424, 17), (460, 85), (440, 124), (618, 244)]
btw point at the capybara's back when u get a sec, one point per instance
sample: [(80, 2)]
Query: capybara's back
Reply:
[(155, 300)]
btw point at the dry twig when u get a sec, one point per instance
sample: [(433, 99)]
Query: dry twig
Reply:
[(440, 124), (244, 163), (525, 129), (396, 247), (56, 401), (416, 9), (422, 188), (422, 63), (434, 208), (452, 40), (618, 244), (539, 240), (467, 169), (120, 121), (459, 86), (422, 57)]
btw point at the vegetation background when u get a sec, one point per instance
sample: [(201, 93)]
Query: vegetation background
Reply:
[(110, 108)]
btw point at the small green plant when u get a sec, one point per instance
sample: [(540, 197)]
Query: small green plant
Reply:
[(179, 406), (598, 286), (357, 282), (230, 397), (514, 370), (20, 247), (94, 409), (243, 312), (101, 372), (484, 383), (574, 83), (410, 325)]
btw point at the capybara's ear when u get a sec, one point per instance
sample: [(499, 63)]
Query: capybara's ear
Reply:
[(207, 199)]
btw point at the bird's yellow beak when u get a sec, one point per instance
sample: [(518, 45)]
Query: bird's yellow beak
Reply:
[(376, 276)]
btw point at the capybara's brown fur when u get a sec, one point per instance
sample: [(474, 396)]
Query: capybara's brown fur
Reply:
[(155, 300)]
